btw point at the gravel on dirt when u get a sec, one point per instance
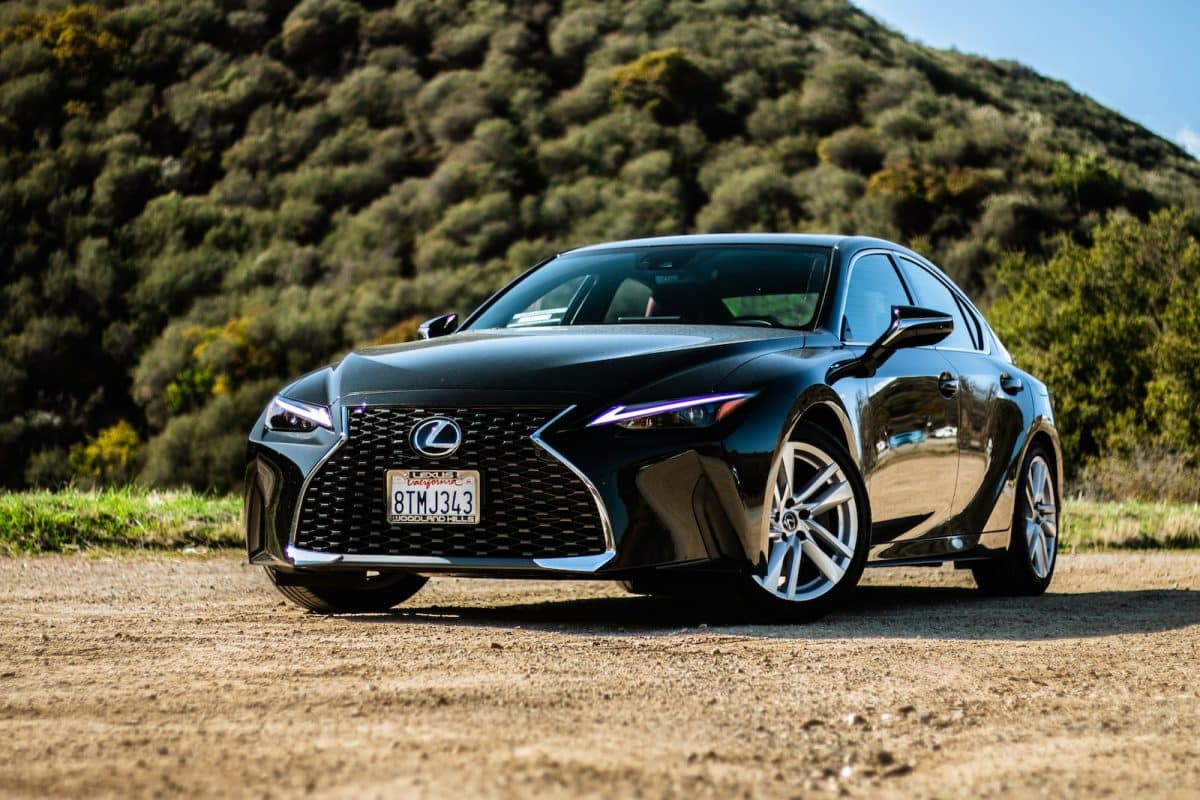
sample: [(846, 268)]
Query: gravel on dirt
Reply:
[(188, 675)]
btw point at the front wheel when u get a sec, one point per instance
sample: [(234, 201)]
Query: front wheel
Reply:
[(348, 594), (818, 530), (1028, 564)]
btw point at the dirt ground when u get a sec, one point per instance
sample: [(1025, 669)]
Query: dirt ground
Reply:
[(148, 676)]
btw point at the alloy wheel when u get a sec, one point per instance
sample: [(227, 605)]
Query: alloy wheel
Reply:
[(813, 525), (1041, 517)]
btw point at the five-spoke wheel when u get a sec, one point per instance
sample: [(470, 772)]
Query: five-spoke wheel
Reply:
[(1028, 564), (1041, 518), (817, 528)]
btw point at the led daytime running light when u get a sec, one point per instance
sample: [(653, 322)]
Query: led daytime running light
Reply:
[(626, 413), (317, 415)]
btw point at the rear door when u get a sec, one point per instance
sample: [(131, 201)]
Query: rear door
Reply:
[(910, 456)]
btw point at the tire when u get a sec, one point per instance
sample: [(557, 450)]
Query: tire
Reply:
[(1027, 565), (818, 537), (356, 593)]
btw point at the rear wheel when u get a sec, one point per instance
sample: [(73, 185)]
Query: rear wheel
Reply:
[(818, 530), (1027, 566), (355, 592)]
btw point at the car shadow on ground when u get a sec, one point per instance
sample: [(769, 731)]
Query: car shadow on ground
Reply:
[(900, 612)]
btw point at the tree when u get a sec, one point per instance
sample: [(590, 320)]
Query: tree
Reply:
[(1113, 329)]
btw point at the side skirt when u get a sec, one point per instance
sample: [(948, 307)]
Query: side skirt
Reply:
[(960, 547)]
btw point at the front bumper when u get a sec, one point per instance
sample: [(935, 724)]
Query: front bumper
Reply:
[(660, 499)]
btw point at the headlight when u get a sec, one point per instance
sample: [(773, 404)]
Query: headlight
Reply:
[(293, 416), (689, 412)]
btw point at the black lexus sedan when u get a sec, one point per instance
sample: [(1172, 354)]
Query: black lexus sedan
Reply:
[(756, 415)]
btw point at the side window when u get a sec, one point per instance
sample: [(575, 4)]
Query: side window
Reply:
[(874, 288), (932, 293)]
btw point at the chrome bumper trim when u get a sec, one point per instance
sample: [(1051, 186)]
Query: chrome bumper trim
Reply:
[(343, 437), (300, 557), (610, 544)]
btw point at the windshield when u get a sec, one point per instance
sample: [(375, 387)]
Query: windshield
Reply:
[(766, 285)]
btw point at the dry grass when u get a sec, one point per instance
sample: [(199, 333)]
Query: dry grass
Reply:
[(42, 522), (1130, 525)]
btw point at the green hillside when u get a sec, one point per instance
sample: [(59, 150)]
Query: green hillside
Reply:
[(202, 199)]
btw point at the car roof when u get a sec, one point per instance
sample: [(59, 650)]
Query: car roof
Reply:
[(840, 241)]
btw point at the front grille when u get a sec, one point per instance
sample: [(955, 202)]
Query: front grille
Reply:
[(533, 505)]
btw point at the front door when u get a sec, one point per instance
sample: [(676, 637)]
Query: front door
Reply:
[(910, 439), (909, 422)]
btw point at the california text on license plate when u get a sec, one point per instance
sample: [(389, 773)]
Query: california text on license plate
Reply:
[(440, 496)]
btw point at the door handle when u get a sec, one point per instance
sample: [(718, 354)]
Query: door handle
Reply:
[(947, 384), (1010, 384)]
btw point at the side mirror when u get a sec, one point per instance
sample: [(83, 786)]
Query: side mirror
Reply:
[(444, 325), (910, 327)]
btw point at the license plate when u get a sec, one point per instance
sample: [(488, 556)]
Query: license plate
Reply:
[(433, 496)]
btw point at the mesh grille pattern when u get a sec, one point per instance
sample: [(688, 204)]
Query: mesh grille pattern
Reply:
[(533, 505)]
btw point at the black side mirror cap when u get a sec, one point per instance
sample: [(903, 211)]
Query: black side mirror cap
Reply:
[(444, 325), (910, 327)]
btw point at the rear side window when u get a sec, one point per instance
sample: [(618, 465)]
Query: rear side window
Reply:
[(874, 288), (932, 293)]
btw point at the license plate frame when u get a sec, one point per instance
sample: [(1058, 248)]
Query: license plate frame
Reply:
[(458, 480)]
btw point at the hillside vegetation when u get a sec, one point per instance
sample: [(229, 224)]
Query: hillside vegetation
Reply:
[(202, 199)]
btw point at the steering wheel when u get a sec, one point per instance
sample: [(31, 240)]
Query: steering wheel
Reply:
[(762, 320)]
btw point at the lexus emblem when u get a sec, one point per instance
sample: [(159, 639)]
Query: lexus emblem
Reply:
[(436, 437)]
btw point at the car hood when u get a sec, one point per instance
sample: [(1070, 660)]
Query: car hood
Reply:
[(586, 361)]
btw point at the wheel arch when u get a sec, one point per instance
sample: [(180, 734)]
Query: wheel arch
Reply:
[(831, 418), (1047, 438), (1040, 433)]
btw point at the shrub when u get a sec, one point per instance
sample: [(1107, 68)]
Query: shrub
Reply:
[(1088, 181), (75, 35), (207, 448), (462, 45), (575, 33), (759, 199), (374, 94), (903, 124), (1016, 221), (1107, 325), (316, 32), (1149, 473), (833, 93), (856, 149), (112, 456), (49, 468), (664, 82), (830, 196), (451, 105), (775, 118)]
